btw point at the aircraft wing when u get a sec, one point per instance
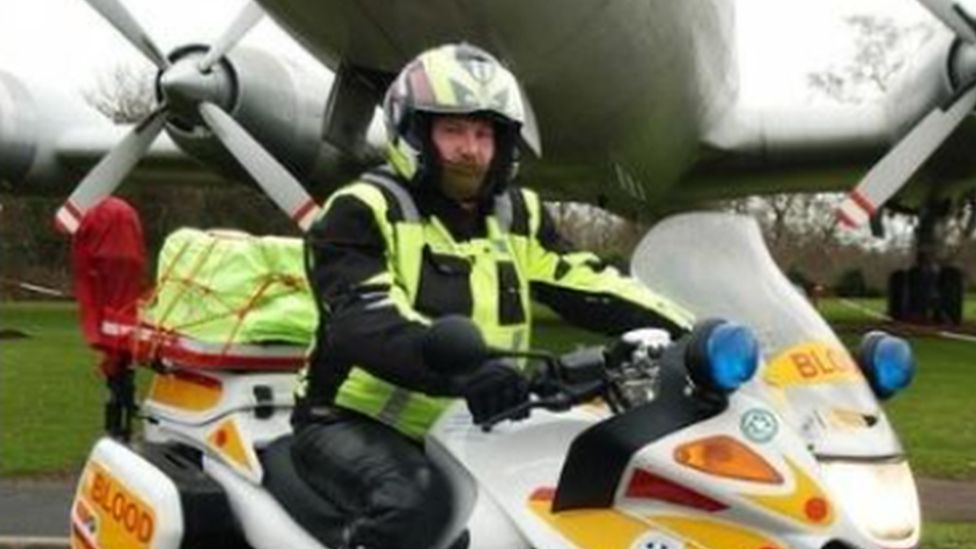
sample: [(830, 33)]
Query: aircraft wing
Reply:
[(921, 130), (787, 150), (644, 118)]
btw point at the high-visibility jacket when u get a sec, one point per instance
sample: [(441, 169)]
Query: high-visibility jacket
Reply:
[(384, 260)]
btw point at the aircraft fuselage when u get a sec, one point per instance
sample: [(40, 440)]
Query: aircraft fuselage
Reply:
[(622, 89)]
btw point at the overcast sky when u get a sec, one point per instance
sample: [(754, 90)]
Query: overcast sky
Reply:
[(781, 41), (65, 43)]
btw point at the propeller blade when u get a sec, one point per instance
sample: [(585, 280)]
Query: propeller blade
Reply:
[(245, 21), (110, 171), (902, 161), (276, 181), (122, 20), (954, 16)]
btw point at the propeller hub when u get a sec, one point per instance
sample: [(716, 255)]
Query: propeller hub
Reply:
[(184, 86)]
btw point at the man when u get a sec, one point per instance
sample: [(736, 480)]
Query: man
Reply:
[(439, 230)]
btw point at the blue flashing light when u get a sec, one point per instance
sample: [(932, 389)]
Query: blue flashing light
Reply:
[(890, 366), (733, 356)]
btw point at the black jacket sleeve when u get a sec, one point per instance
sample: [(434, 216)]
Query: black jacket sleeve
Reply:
[(588, 293), (365, 318)]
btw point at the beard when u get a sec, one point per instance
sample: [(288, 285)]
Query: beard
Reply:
[(462, 182)]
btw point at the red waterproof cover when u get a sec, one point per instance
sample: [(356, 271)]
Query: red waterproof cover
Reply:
[(109, 260)]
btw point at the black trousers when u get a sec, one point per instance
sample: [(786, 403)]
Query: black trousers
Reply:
[(391, 495)]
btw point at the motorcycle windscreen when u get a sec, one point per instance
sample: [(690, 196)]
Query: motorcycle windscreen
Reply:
[(716, 265)]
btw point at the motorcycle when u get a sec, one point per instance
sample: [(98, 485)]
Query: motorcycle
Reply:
[(764, 437)]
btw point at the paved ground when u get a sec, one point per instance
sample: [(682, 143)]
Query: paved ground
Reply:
[(947, 501), (35, 507), (39, 508)]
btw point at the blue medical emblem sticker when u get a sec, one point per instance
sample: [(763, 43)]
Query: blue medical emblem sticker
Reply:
[(759, 425)]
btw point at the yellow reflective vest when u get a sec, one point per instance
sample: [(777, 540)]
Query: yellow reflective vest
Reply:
[(395, 267)]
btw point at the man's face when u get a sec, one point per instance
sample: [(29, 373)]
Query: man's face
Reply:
[(465, 146)]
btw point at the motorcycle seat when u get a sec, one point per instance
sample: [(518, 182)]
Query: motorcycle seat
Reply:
[(317, 515)]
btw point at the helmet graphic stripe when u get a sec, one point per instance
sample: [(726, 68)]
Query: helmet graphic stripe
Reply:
[(439, 76), (420, 88)]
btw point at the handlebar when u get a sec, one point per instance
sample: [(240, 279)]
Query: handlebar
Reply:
[(575, 378), (564, 399)]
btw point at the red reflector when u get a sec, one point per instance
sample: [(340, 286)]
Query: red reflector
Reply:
[(650, 486), (816, 509)]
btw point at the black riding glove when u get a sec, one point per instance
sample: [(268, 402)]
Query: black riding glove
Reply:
[(491, 389)]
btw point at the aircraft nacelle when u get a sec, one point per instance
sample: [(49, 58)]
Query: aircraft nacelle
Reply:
[(941, 74), (939, 71), (34, 123), (283, 105)]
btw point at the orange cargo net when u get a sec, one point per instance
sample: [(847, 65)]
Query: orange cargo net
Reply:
[(152, 342)]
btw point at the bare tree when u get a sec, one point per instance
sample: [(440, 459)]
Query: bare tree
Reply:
[(957, 230), (123, 93), (801, 229), (594, 229), (882, 47), (789, 220)]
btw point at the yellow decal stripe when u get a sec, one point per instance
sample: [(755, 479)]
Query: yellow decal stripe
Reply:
[(590, 528), (596, 529), (807, 503), (812, 363), (713, 534)]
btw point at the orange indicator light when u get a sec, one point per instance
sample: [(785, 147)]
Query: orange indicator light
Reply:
[(724, 456)]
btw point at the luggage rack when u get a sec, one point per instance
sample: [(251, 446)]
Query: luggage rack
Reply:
[(150, 345)]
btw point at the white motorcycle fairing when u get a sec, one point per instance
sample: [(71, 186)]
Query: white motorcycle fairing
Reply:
[(837, 475)]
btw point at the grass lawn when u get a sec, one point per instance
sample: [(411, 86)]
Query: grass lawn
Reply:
[(935, 416), (836, 310), (50, 392), (948, 536)]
